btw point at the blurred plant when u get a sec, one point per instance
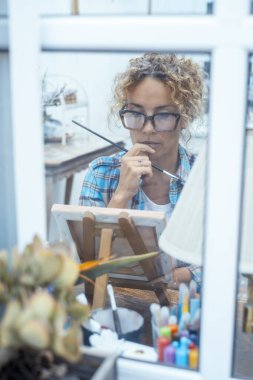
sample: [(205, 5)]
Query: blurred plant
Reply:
[(37, 295), (51, 97), (39, 300), (55, 92)]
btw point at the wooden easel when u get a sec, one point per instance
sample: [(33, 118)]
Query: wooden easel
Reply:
[(107, 232)]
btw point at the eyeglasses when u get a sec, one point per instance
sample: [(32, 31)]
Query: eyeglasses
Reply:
[(161, 121)]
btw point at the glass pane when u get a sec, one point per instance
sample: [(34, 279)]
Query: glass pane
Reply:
[(96, 7), (79, 86), (183, 7), (243, 349), (7, 195), (3, 8), (122, 7)]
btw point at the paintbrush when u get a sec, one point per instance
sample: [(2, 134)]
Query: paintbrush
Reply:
[(125, 150), (114, 310)]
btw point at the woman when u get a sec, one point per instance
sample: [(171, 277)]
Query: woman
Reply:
[(156, 98)]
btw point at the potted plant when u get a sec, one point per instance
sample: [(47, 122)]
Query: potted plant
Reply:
[(40, 328)]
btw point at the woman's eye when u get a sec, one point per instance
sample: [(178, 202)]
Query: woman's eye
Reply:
[(134, 114), (163, 115)]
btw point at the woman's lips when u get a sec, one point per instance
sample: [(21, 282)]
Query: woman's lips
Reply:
[(152, 144)]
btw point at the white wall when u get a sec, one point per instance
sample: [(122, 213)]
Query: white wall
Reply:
[(93, 73)]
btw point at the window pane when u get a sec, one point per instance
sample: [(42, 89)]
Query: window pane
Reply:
[(244, 312), (7, 194), (96, 7), (78, 86), (3, 8), (122, 7), (183, 7)]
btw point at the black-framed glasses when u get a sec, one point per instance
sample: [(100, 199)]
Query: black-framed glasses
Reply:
[(161, 121)]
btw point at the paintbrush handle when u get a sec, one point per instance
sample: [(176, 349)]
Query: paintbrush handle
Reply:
[(117, 322), (102, 137), (124, 149), (114, 309)]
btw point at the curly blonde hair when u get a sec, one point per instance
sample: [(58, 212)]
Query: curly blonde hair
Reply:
[(183, 77)]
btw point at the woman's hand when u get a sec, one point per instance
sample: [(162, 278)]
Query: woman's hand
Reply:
[(180, 275), (134, 164)]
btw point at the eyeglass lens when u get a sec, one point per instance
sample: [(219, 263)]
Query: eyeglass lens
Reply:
[(163, 121)]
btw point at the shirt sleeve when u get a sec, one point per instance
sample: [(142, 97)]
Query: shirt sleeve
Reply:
[(196, 271), (91, 194)]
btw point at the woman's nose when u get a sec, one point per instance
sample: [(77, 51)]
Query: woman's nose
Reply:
[(148, 127)]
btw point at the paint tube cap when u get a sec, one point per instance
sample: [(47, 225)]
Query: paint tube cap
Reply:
[(165, 331)]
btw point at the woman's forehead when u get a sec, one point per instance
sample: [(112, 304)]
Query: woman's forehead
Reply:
[(150, 91)]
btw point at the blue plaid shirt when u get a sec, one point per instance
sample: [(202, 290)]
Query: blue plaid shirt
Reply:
[(102, 178)]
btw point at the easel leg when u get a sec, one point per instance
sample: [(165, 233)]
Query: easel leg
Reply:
[(101, 282), (69, 183), (138, 246), (161, 294), (88, 251)]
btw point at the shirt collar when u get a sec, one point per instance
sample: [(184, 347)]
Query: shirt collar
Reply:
[(184, 167)]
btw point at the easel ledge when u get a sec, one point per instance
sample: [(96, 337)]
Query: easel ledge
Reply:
[(107, 215), (140, 229)]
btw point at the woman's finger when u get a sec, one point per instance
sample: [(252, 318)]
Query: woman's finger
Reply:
[(140, 149), (137, 160)]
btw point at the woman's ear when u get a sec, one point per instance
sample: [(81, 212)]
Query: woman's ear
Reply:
[(183, 123)]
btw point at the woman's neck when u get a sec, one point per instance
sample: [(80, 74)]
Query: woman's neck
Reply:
[(157, 187), (169, 163)]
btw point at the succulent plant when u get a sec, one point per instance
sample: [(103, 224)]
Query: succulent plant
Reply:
[(40, 310)]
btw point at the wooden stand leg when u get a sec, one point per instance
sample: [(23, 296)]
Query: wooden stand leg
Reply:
[(88, 237), (69, 183), (101, 282), (136, 243), (88, 251), (138, 246), (161, 294)]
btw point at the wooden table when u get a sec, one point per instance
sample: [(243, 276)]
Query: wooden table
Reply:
[(64, 161)]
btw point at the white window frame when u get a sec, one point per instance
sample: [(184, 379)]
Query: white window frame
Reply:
[(227, 35), (19, 37)]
